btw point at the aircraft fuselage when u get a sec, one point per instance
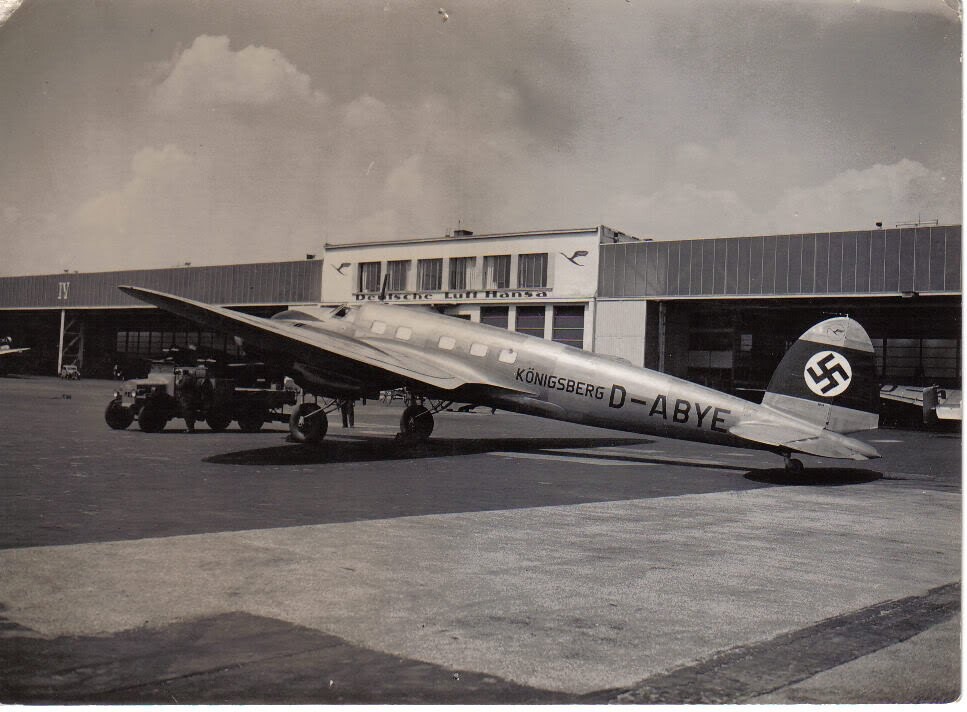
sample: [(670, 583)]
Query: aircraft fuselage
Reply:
[(551, 380)]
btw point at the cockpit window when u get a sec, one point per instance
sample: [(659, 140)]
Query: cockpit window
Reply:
[(340, 312)]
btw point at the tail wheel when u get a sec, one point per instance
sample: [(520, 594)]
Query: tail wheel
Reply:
[(305, 429), (416, 423), (152, 418), (118, 417)]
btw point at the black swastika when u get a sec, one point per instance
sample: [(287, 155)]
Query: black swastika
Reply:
[(827, 377)]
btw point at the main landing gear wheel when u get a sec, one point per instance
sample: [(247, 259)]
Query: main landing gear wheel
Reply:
[(416, 424), (794, 466), (307, 424), (118, 417)]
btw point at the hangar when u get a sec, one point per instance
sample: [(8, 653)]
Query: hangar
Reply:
[(723, 311), (83, 319), (720, 311)]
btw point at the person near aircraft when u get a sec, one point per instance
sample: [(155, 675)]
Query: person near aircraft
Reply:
[(347, 408)]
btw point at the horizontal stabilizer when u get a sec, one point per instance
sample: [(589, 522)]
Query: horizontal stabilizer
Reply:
[(822, 443)]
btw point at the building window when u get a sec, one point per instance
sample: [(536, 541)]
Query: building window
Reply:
[(369, 273), (461, 272), (397, 272), (568, 325), (918, 360), (495, 316), (496, 271), (530, 320), (532, 270), (429, 275)]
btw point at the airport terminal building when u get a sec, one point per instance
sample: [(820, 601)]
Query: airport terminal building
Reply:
[(720, 311)]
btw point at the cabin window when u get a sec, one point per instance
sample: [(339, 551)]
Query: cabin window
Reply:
[(532, 270), (379, 327), (429, 275), (478, 350), (507, 356), (461, 272), (447, 343), (404, 333), (369, 276), (496, 271), (397, 272)]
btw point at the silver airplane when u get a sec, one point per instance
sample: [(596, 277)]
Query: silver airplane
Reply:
[(7, 352), (823, 388)]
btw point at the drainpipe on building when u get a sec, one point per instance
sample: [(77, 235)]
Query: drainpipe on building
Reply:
[(661, 336)]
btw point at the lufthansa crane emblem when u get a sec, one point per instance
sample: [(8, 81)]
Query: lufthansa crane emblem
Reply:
[(828, 374)]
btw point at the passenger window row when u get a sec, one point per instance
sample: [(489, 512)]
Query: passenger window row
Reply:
[(447, 343)]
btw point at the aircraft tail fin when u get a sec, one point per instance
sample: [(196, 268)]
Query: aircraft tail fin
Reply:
[(828, 378)]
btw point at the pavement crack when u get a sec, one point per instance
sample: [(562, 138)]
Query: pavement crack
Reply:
[(747, 671)]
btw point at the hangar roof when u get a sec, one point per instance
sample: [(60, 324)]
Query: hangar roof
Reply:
[(273, 283), (901, 262)]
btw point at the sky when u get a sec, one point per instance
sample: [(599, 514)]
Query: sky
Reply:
[(151, 133)]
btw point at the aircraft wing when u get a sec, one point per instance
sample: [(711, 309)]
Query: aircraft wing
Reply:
[(309, 345), (801, 438), (9, 352)]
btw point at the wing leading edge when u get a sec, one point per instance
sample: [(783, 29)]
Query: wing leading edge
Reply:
[(309, 344)]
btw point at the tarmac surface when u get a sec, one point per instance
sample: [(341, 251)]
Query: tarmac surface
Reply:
[(509, 560)]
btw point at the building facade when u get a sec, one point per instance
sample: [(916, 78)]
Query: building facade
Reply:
[(540, 283), (720, 311)]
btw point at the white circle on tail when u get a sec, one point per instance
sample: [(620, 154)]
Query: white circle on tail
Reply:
[(828, 374)]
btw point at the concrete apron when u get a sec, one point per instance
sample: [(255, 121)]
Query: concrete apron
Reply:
[(572, 598)]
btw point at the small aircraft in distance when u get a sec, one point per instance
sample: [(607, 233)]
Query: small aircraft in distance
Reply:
[(7, 351), (823, 388)]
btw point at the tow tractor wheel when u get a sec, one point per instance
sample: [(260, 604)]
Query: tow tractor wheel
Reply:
[(416, 423), (152, 418), (251, 421), (308, 430), (118, 417), (218, 420)]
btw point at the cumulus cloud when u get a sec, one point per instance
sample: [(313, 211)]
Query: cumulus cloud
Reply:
[(671, 129), (854, 199), (209, 73)]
